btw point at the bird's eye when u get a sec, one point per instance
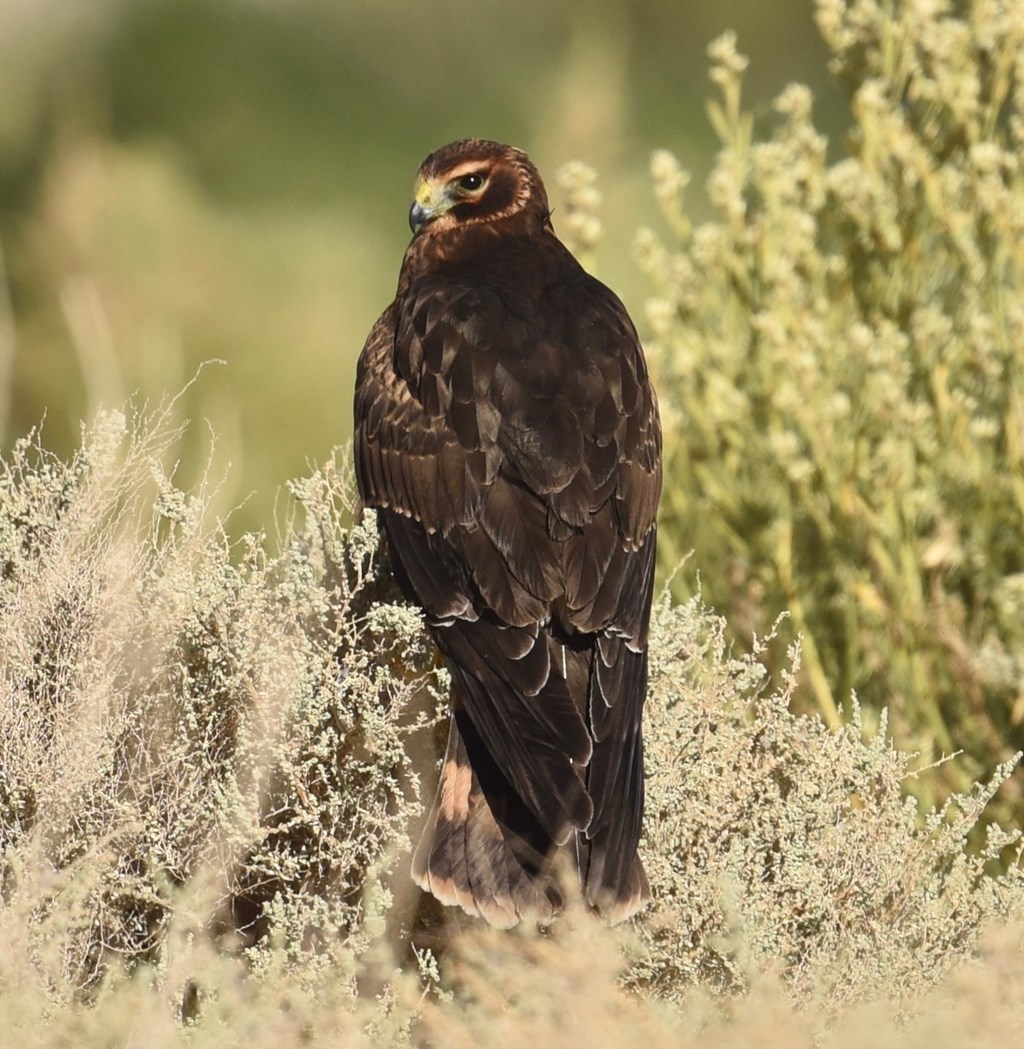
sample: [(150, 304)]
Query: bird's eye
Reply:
[(471, 182)]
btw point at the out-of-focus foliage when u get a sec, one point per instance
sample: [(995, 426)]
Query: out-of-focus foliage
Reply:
[(187, 180), (840, 355), (209, 767)]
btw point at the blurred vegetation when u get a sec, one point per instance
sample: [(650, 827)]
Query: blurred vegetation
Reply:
[(188, 180), (840, 351)]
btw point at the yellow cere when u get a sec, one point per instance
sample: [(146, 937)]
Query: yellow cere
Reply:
[(425, 192)]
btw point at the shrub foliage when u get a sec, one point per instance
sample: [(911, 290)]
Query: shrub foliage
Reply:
[(208, 752), (840, 358), (172, 707)]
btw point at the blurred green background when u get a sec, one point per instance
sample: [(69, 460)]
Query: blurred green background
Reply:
[(189, 180)]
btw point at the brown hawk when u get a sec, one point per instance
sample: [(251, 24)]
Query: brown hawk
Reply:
[(507, 434)]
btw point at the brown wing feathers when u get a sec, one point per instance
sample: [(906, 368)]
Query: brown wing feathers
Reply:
[(508, 435)]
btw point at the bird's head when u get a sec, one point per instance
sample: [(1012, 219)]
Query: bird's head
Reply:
[(475, 181)]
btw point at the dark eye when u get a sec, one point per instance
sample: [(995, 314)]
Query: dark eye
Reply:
[(471, 182)]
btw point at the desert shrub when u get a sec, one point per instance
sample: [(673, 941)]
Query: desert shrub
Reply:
[(839, 360), (210, 761), (172, 707), (776, 842)]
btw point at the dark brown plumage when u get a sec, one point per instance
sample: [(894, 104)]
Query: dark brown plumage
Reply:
[(508, 436)]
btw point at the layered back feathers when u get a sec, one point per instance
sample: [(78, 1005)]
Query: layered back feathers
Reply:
[(507, 432)]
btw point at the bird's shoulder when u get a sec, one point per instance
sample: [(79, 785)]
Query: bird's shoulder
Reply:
[(524, 364), (524, 305)]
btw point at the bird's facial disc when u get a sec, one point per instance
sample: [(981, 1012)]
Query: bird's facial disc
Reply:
[(435, 196)]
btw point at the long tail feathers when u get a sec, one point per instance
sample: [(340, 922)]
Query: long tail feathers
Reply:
[(468, 858)]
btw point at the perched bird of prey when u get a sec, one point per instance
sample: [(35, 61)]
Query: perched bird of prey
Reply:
[(507, 434)]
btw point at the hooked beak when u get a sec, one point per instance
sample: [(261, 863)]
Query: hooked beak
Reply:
[(431, 200), (419, 216)]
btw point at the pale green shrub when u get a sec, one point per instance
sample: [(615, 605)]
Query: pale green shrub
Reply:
[(776, 842), (171, 708), (207, 751), (840, 360)]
